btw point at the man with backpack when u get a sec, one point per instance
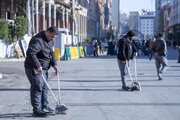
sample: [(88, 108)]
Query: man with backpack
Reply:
[(126, 51), (160, 52)]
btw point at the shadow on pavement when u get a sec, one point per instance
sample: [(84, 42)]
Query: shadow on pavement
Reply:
[(15, 115), (99, 81), (95, 88), (13, 89), (123, 104), (101, 57)]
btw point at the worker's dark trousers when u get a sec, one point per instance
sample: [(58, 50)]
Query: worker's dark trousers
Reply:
[(123, 67), (38, 89)]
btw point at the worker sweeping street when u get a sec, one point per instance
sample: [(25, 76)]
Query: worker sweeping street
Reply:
[(126, 51), (40, 58)]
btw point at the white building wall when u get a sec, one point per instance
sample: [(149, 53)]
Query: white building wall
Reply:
[(146, 25), (2, 50), (7, 51)]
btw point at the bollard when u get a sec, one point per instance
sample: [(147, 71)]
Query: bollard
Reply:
[(57, 54)]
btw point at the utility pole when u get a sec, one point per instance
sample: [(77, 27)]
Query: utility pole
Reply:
[(119, 27), (32, 17), (99, 20), (72, 22), (28, 16)]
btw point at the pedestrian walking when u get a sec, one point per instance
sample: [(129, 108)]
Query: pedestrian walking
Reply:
[(111, 47), (95, 53), (126, 51), (151, 43), (39, 58), (160, 51), (100, 44)]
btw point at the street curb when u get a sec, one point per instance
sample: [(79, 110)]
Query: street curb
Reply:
[(12, 60)]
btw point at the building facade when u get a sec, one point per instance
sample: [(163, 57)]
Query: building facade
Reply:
[(146, 24), (175, 21), (133, 20), (115, 15), (107, 13), (80, 19)]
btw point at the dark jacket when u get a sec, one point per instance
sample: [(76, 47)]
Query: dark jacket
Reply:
[(126, 49), (40, 53), (160, 47)]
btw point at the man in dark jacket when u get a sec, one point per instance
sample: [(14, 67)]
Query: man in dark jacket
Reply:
[(160, 51), (126, 51), (39, 59)]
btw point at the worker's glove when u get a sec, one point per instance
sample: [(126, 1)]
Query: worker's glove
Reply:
[(57, 71)]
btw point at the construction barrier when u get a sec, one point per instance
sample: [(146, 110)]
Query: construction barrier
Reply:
[(81, 51), (67, 54), (74, 52), (85, 51), (98, 49), (57, 54)]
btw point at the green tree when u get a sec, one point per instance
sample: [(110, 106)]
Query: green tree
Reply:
[(4, 30), (20, 27), (12, 32), (18, 31)]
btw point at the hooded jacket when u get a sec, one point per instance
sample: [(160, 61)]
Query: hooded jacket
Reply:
[(126, 49)]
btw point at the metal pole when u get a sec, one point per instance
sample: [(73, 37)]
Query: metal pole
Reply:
[(119, 18), (99, 20), (37, 16), (32, 17), (72, 22), (28, 14)]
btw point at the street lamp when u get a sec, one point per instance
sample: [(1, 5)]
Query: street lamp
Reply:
[(73, 17)]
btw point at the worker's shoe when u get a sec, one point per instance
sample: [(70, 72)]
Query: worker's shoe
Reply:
[(160, 78), (48, 110), (126, 88), (39, 114)]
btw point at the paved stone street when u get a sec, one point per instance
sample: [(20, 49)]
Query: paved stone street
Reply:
[(91, 88)]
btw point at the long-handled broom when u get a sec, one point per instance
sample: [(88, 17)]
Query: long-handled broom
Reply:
[(63, 107), (60, 108)]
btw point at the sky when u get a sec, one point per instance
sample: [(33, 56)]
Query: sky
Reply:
[(136, 5)]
